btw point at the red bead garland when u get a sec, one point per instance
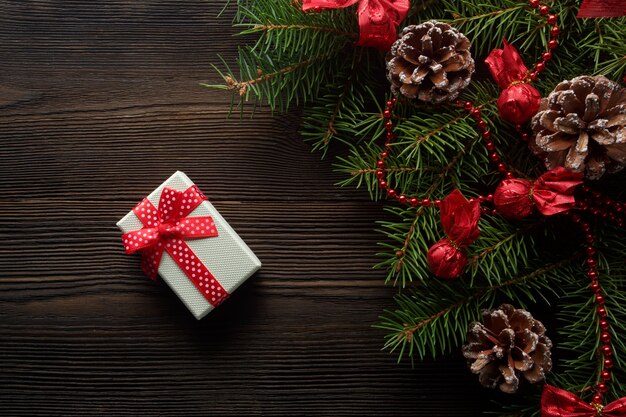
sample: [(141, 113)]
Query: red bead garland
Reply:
[(425, 202), (380, 164), (494, 157), (604, 326), (603, 206)]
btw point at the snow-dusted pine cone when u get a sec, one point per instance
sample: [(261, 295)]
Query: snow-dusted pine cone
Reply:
[(582, 126), (431, 62), (508, 344)]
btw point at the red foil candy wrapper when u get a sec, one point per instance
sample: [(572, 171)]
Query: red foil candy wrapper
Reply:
[(459, 218), (445, 260), (378, 19), (556, 402), (519, 101), (512, 199), (551, 193), (602, 8)]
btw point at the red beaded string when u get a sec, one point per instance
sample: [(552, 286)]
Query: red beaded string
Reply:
[(605, 349), (546, 57), (494, 157), (380, 164), (551, 19), (601, 205)]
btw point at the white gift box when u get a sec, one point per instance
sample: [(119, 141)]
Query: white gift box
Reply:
[(226, 256)]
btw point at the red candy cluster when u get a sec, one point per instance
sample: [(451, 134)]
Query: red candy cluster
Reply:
[(459, 217)]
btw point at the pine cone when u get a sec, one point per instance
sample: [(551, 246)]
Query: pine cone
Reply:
[(431, 62), (582, 126), (508, 344)]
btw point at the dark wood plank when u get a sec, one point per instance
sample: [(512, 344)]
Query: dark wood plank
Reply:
[(319, 248), (99, 103)]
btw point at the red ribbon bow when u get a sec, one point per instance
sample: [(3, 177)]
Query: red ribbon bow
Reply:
[(551, 193), (378, 19), (556, 402), (165, 229), (602, 8), (459, 218), (519, 101)]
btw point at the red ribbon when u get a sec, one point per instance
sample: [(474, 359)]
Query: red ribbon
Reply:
[(556, 402), (459, 218), (378, 19), (551, 193), (165, 229), (602, 8), (519, 101)]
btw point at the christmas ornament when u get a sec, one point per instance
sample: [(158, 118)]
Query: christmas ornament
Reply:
[(556, 402), (582, 126), (551, 193), (431, 62), (181, 236), (602, 8), (508, 344), (519, 101), (378, 19), (459, 217)]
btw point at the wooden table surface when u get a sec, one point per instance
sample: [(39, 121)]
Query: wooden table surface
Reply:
[(99, 103)]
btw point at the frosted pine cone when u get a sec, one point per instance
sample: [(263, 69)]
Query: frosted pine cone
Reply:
[(582, 126), (508, 344), (431, 62)]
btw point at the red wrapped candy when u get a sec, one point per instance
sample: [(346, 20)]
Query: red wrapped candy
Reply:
[(519, 101), (556, 402), (446, 260), (551, 193), (459, 217), (378, 19)]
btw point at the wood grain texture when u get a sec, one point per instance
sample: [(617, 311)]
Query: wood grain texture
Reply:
[(99, 103)]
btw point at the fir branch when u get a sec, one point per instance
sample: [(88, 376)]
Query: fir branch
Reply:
[(460, 20), (338, 113), (265, 27), (501, 250), (330, 130), (242, 87), (388, 170), (433, 320), (292, 59)]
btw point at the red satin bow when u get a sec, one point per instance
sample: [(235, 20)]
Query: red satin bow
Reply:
[(378, 19), (551, 193), (166, 229), (556, 402), (519, 101), (459, 218), (602, 8)]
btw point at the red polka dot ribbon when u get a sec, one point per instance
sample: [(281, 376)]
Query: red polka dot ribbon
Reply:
[(165, 229)]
